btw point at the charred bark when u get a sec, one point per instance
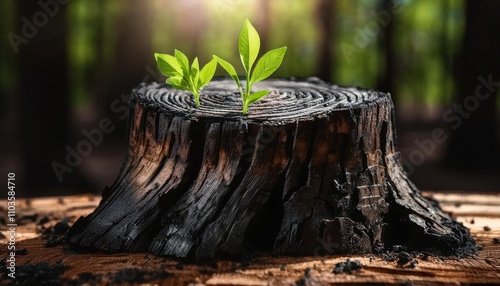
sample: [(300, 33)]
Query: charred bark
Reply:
[(313, 169)]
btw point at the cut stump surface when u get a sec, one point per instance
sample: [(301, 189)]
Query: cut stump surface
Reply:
[(313, 169)]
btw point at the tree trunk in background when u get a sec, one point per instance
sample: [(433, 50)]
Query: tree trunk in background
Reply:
[(386, 79), (99, 31), (263, 23), (474, 144), (445, 47), (43, 102), (133, 53), (324, 17)]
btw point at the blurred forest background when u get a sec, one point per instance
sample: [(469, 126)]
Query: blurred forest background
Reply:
[(67, 65)]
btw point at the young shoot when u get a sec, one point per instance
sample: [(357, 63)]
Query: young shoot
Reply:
[(183, 76), (249, 46)]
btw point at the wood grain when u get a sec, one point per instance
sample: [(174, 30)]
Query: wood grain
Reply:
[(484, 267)]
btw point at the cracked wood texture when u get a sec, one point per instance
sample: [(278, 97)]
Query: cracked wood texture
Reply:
[(313, 169)]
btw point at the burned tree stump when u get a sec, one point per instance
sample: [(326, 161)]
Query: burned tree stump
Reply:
[(313, 169)]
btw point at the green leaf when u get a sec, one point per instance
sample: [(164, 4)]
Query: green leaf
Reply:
[(267, 64), (195, 64), (194, 78), (230, 70), (195, 74), (249, 45), (178, 82), (168, 65), (207, 72), (258, 95), (183, 62)]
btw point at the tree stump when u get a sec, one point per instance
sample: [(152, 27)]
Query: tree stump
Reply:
[(313, 169)]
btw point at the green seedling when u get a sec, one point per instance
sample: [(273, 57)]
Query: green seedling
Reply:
[(183, 76), (249, 46)]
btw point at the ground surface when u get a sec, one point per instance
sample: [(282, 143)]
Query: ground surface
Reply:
[(37, 219)]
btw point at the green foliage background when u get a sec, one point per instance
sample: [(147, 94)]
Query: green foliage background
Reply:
[(427, 38)]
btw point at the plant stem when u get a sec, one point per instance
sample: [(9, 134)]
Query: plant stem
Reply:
[(245, 106), (247, 92), (196, 98)]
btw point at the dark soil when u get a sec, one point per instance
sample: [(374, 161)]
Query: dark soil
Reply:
[(409, 259), (53, 234), (131, 275), (46, 274), (34, 274), (303, 280), (21, 251), (347, 266)]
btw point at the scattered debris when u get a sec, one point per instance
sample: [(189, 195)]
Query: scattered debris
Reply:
[(300, 282), (424, 255), (57, 230), (27, 218), (307, 273), (303, 281), (86, 278), (496, 240), (472, 221), (282, 267), (387, 256), (486, 228), (347, 266), (206, 271), (403, 258), (61, 227), (413, 263), (21, 251), (125, 276), (53, 234), (213, 264), (54, 242), (36, 274), (43, 220), (136, 275)]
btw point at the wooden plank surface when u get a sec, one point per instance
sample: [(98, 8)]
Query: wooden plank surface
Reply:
[(479, 212)]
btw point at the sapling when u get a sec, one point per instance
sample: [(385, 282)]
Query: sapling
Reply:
[(183, 76), (249, 46)]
